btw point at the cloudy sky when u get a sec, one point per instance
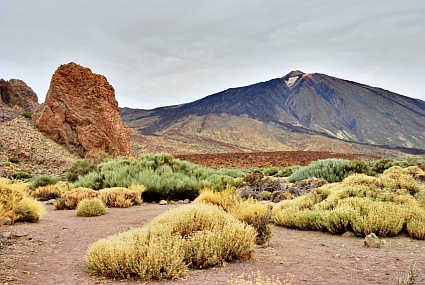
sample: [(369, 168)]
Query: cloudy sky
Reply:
[(166, 52)]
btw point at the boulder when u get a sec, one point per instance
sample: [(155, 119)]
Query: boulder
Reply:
[(82, 114), (17, 94)]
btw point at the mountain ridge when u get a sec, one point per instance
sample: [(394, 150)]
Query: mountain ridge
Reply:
[(304, 103)]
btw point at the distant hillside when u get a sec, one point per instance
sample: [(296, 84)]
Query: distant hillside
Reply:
[(296, 112)]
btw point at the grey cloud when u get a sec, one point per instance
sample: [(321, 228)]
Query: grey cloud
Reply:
[(167, 52)]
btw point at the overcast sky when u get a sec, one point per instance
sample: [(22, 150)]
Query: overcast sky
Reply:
[(165, 52)]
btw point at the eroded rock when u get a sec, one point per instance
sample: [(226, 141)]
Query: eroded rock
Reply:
[(82, 114)]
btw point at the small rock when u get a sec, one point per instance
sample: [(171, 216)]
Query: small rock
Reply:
[(372, 241), (180, 202), (173, 202), (5, 221), (20, 235), (6, 235), (186, 201), (337, 255), (348, 234), (50, 202), (163, 202)]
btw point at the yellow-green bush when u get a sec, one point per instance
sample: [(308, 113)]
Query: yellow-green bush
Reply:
[(195, 235), (91, 208), (28, 210), (69, 200), (250, 211), (15, 203), (362, 204), (138, 253), (119, 197)]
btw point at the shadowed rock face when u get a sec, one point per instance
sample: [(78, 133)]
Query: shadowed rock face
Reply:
[(82, 114), (17, 94)]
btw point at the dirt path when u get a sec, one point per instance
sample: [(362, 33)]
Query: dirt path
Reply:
[(55, 255)]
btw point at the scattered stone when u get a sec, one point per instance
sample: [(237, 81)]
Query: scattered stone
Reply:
[(20, 235), (163, 202), (6, 235), (50, 202), (180, 202), (349, 234), (372, 241), (186, 201)]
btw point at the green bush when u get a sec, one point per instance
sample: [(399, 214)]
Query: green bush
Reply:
[(80, 167), (199, 236), (27, 115), (270, 171), (163, 176), (14, 159), (21, 175), (287, 171), (43, 180), (91, 208), (333, 170)]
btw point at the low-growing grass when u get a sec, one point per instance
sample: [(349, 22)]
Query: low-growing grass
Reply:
[(91, 208), (196, 235), (362, 204)]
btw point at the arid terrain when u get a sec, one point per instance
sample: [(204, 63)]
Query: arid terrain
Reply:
[(55, 253), (266, 159)]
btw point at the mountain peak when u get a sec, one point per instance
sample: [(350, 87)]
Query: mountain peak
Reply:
[(292, 77)]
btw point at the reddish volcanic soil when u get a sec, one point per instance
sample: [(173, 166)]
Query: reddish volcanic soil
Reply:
[(266, 159)]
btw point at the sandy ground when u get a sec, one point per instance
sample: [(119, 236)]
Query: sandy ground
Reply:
[(55, 254)]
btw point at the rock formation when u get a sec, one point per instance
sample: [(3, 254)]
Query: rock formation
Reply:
[(17, 94), (82, 114)]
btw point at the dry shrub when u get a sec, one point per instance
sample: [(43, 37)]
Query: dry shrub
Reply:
[(120, 197), (197, 235), (91, 208), (138, 253), (138, 188), (420, 198), (11, 194), (28, 210), (259, 279), (398, 178), (257, 215), (250, 211), (69, 200), (45, 193)]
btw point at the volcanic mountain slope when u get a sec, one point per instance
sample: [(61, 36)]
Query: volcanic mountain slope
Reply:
[(296, 112)]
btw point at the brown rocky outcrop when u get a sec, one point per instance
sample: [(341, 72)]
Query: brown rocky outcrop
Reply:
[(82, 114), (17, 94)]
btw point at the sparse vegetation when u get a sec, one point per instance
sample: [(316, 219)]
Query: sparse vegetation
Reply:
[(28, 210), (91, 208), (27, 115), (361, 203), (14, 159), (21, 175), (69, 200), (80, 167), (195, 235)]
